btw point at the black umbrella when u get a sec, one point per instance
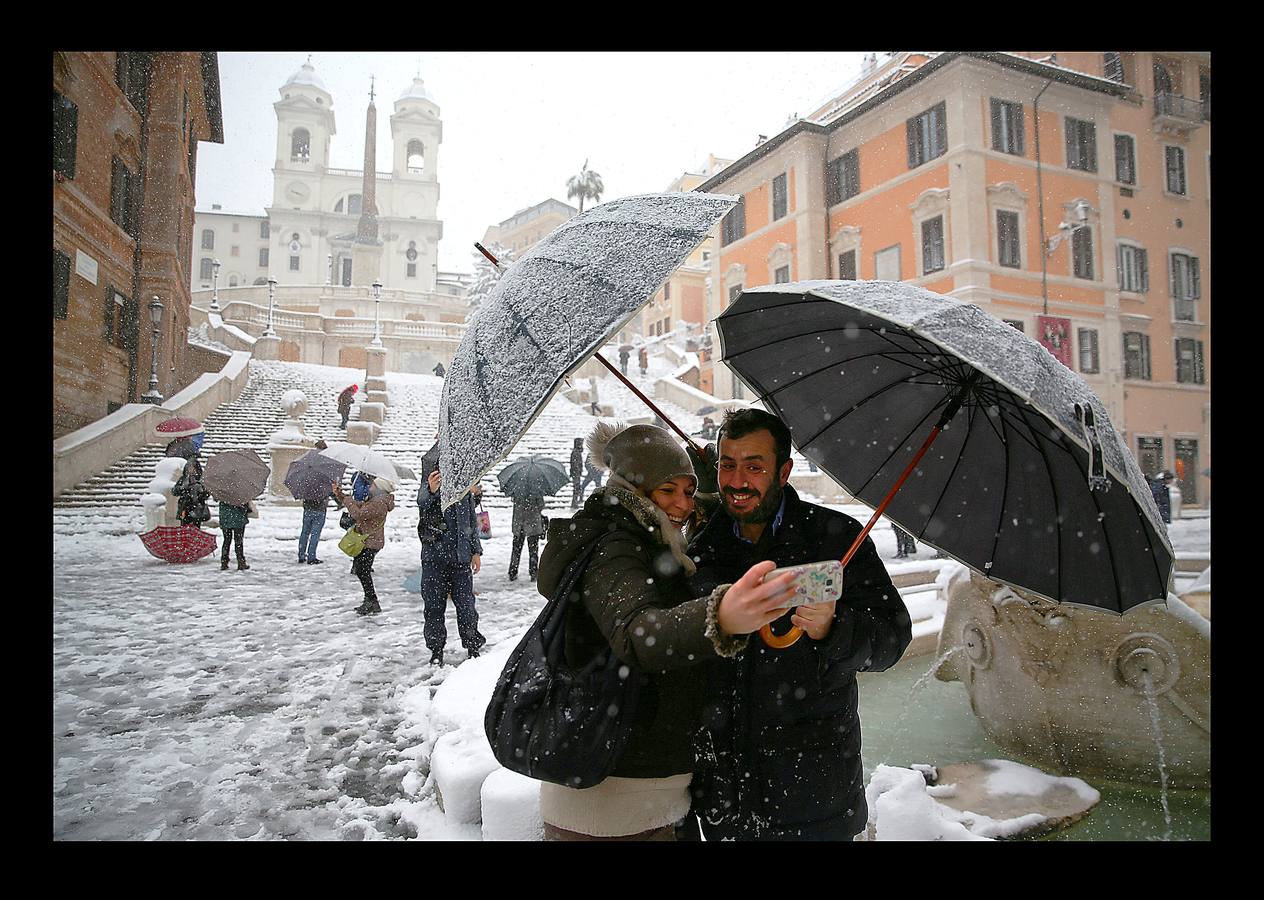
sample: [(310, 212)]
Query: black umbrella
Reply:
[(309, 477), (1028, 484), (533, 476)]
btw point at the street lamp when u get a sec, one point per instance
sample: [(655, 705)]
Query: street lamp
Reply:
[(155, 316), (377, 303), (215, 286), (270, 332)]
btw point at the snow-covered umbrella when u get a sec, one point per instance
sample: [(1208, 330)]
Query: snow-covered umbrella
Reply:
[(366, 459), (1028, 484), (236, 476), (550, 312), (533, 476)]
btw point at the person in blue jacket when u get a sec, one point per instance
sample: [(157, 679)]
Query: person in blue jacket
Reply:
[(451, 554)]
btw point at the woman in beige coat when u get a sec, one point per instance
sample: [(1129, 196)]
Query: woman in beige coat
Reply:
[(370, 521)]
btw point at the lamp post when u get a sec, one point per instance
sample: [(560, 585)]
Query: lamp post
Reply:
[(215, 286), (377, 303), (155, 316), (270, 332), (329, 270)]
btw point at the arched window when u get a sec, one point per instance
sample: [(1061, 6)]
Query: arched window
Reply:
[(260, 281), (416, 156), (338, 206), (354, 204), (232, 281), (300, 145)]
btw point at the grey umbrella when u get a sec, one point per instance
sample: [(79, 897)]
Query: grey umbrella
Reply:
[(551, 311), (310, 476), (1028, 481), (533, 476), (236, 476)]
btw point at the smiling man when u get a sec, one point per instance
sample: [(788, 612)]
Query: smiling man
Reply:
[(779, 748)]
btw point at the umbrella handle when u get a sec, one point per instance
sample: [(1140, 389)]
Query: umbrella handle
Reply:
[(783, 641)]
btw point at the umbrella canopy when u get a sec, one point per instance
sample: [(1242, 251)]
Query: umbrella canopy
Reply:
[(1029, 482), (552, 310), (182, 544), (180, 426), (366, 459), (236, 476), (310, 476), (533, 476)]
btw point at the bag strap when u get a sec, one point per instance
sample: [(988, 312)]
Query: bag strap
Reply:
[(553, 619)]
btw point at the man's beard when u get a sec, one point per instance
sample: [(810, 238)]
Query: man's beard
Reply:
[(764, 511)]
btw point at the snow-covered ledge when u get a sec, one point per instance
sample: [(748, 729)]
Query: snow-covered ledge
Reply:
[(690, 398), (97, 446)]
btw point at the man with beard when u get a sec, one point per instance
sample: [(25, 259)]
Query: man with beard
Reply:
[(779, 747)]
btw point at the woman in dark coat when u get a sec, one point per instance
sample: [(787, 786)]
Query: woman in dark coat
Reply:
[(637, 600), (232, 521), (344, 403), (528, 525)]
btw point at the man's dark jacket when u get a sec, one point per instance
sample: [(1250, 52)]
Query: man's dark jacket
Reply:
[(779, 747)]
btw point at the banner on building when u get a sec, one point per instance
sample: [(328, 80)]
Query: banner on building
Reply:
[(1054, 335)]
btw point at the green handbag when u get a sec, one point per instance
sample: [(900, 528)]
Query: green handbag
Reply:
[(352, 543)]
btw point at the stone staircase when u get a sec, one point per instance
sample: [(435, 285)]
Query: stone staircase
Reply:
[(109, 500)]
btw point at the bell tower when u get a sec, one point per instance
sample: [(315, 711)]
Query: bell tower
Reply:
[(305, 124)]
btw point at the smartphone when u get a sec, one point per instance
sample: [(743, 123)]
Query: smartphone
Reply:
[(818, 582)]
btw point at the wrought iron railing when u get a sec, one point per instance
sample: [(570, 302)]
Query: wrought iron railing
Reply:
[(1178, 107)]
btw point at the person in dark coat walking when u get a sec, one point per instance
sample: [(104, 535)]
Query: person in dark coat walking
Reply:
[(638, 602), (191, 494), (344, 403), (439, 370), (370, 521), (623, 359), (528, 525), (592, 472), (451, 555), (1161, 491), (232, 522), (779, 748), (577, 469), (905, 544)]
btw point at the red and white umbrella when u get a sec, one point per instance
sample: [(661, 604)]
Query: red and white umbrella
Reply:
[(179, 544), (178, 427)]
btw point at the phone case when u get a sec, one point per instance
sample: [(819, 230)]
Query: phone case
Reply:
[(819, 582)]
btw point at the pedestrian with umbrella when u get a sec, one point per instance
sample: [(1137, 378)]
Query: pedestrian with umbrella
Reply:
[(527, 481), (370, 521), (235, 478), (344, 402), (310, 478), (451, 555)]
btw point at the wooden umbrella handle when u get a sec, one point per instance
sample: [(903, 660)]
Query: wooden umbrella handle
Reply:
[(780, 642)]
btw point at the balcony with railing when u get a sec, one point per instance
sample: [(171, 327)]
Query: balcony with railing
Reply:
[(1176, 114)]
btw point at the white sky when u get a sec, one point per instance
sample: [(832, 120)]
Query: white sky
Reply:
[(517, 125)]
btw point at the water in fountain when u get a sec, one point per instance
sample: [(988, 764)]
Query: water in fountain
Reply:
[(898, 730), (1153, 703)]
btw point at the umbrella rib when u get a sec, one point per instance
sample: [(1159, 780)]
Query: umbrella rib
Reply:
[(904, 440), (1000, 523), (970, 413), (934, 351), (1057, 514), (857, 406), (826, 368)]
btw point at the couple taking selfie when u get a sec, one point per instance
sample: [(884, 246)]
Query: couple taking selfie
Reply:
[(729, 735)]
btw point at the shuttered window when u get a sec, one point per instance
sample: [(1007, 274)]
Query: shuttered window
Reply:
[(1008, 250), (1132, 268), (932, 245), (1081, 145), (1089, 363), (124, 197), (1189, 361), (733, 226), (779, 196), (1007, 127), (1082, 252), (1186, 287), (65, 135), (1113, 66), (782, 275), (927, 135), (1125, 159), (847, 265), (843, 177), (1174, 158), (1136, 355)]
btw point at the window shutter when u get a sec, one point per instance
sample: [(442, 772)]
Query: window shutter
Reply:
[(941, 129), (1072, 156), (61, 284), (1018, 125), (109, 314), (1174, 286), (833, 191), (1193, 268), (1090, 146), (65, 134), (1198, 362), (117, 188), (997, 142), (1119, 266), (911, 138), (1143, 265)]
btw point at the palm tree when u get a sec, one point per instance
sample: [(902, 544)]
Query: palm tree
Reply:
[(586, 185)]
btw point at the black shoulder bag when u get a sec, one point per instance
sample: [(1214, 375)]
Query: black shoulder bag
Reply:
[(553, 723)]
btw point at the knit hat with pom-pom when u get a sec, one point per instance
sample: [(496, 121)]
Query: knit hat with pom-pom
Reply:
[(643, 455)]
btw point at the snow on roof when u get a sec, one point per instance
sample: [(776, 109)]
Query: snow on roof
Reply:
[(306, 76)]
